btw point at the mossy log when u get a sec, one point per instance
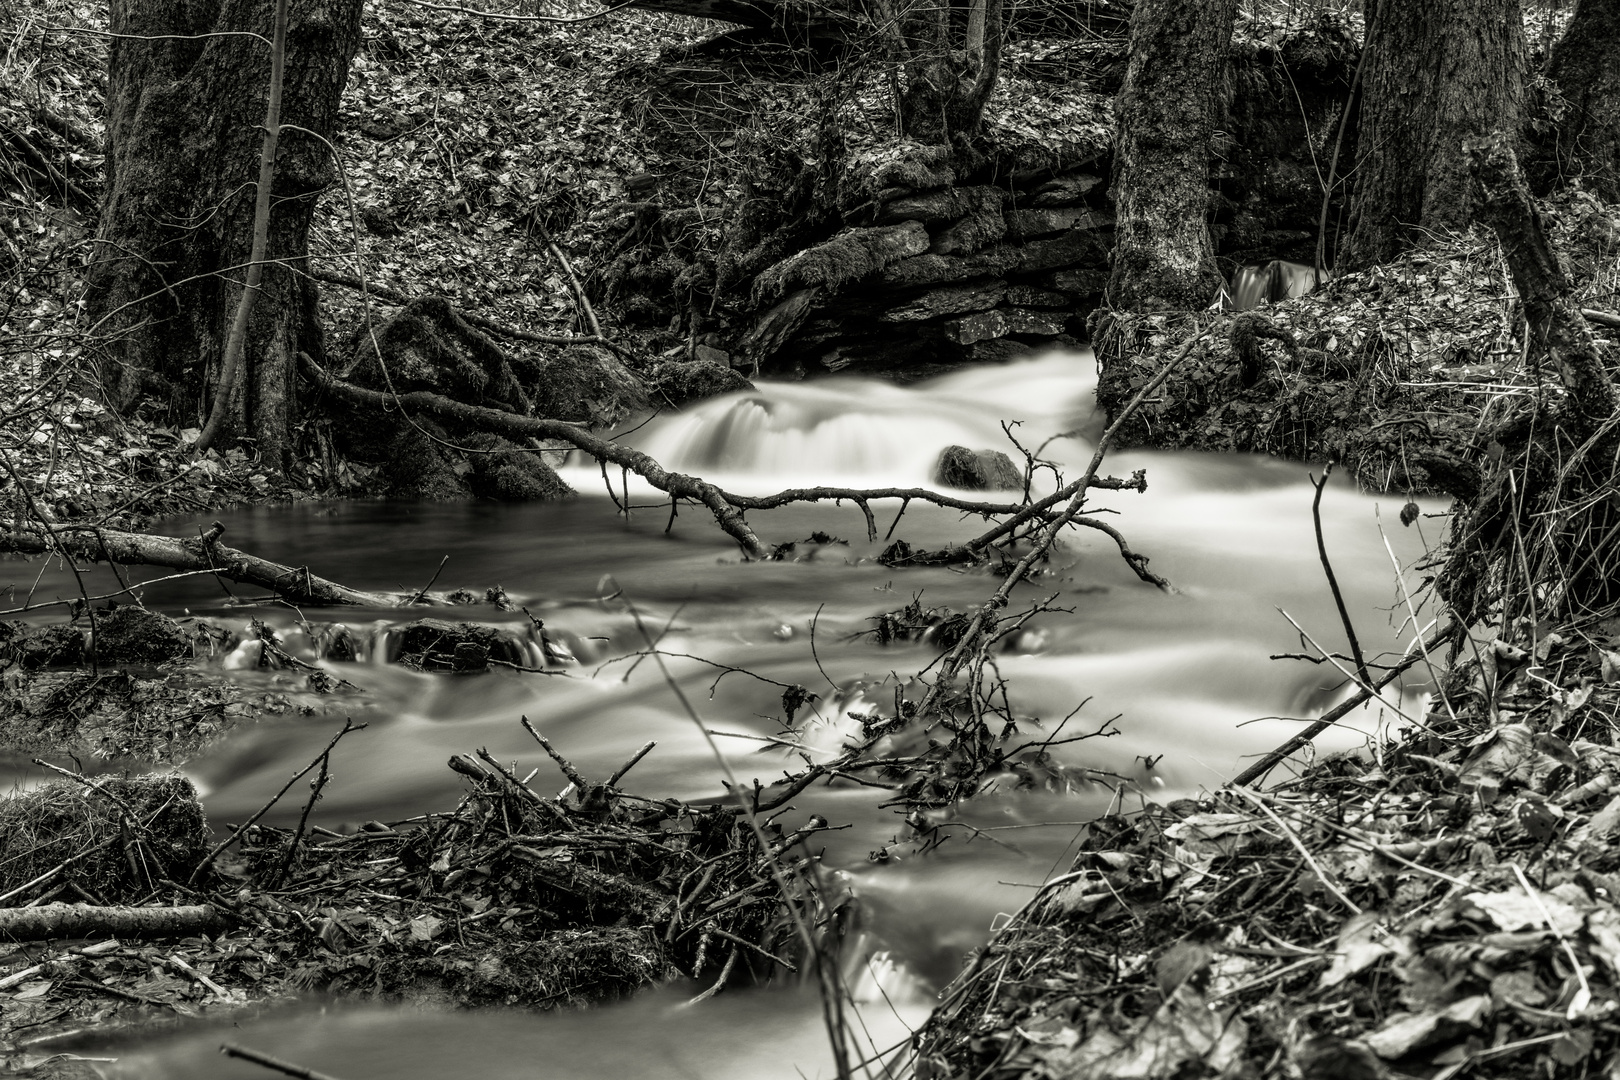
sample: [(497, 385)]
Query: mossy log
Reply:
[(57, 921)]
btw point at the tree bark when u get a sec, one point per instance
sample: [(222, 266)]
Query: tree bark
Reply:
[(946, 87), (1437, 73), (1585, 67), (1168, 110), (184, 132)]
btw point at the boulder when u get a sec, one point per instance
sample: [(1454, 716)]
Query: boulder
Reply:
[(977, 470), (970, 329), (1038, 323), (1076, 281), (505, 472), (948, 205), (1030, 296), (1075, 248)]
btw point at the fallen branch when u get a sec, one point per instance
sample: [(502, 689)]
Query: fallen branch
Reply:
[(203, 553), (58, 921), (727, 507), (1260, 768)]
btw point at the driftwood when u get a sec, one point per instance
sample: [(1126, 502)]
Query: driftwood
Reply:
[(201, 553), (58, 921)]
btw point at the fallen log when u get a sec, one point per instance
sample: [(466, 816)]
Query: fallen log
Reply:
[(61, 921), (204, 552)]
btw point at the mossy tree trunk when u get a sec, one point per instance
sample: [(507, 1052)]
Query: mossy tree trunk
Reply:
[(1168, 110), (946, 82), (1437, 73), (1586, 67), (184, 129)]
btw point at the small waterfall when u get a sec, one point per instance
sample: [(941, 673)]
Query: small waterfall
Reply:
[(867, 432), (1272, 283)]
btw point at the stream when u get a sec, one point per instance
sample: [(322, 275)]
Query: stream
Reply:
[(1187, 676)]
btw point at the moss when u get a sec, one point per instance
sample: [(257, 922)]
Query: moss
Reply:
[(134, 635), (517, 475), (850, 256)]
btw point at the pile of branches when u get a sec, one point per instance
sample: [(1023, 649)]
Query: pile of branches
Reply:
[(1453, 904), (511, 898)]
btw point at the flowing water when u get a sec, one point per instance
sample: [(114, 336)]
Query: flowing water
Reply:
[(1187, 676), (1272, 282)]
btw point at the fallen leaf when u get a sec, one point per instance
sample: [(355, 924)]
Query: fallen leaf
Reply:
[(1361, 944)]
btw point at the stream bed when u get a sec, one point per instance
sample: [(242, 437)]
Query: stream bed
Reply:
[(1185, 681)]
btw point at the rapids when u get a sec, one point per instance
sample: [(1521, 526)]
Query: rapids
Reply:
[(1187, 676)]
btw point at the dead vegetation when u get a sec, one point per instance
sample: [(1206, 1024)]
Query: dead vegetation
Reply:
[(511, 898)]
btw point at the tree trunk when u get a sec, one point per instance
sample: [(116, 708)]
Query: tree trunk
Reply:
[(184, 127), (947, 83), (1168, 110), (1437, 73), (1585, 67)]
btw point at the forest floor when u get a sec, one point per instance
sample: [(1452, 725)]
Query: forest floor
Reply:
[(1448, 904)]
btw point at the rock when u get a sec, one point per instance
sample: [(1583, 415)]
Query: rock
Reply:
[(772, 329), (506, 472), (951, 300), (467, 648), (970, 234), (849, 256), (678, 384), (30, 647), (947, 205), (134, 635), (588, 385), (1078, 282), (1030, 296), (427, 345), (711, 355), (1042, 323), (1077, 247), (906, 164), (997, 351), (974, 328), (1064, 190), (1028, 224), (977, 470)]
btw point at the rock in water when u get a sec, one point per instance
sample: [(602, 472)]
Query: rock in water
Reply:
[(977, 470)]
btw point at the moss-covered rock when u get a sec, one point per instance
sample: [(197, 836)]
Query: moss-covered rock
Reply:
[(848, 257), (134, 635)]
